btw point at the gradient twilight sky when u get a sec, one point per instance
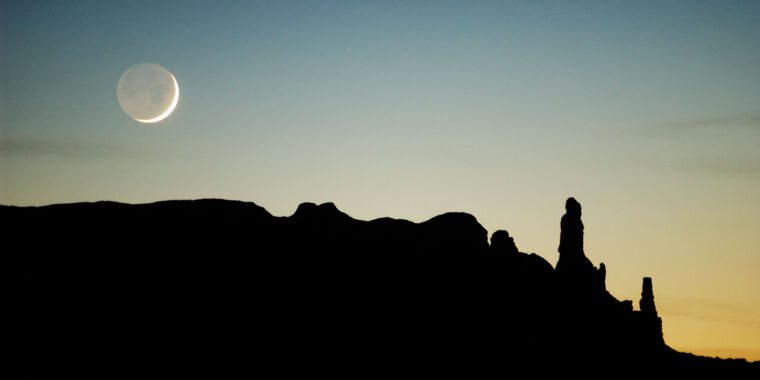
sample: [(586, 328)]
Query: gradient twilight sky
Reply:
[(648, 112)]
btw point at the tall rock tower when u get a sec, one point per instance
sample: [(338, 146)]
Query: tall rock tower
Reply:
[(579, 276), (572, 259), (650, 324), (646, 304)]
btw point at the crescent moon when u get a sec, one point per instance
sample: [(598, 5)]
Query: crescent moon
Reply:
[(168, 110)]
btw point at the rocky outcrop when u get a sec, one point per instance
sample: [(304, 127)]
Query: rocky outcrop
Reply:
[(572, 258), (646, 304), (649, 323), (518, 263), (578, 274), (503, 244), (453, 234)]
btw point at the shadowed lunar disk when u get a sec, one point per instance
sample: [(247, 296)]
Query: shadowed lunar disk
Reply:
[(148, 92)]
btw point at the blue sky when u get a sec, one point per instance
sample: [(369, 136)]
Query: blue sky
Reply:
[(648, 112)]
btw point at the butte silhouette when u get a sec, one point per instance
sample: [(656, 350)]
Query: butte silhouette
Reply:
[(215, 286)]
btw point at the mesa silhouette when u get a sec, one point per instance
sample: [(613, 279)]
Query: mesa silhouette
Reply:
[(179, 283)]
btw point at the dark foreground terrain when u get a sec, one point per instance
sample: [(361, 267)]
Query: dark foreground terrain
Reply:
[(215, 287)]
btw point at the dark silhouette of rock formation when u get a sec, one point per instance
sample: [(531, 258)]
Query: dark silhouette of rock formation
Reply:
[(572, 259), (503, 244), (646, 304), (579, 278), (650, 322), (213, 281)]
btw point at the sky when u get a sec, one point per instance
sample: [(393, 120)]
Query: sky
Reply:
[(647, 112)]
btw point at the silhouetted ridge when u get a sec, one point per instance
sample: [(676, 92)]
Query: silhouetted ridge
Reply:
[(207, 278)]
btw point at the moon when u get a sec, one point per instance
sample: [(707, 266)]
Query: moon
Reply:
[(148, 93)]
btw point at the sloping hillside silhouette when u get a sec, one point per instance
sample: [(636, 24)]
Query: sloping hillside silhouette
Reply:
[(181, 283)]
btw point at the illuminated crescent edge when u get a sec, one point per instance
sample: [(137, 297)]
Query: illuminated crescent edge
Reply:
[(169, 110)]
